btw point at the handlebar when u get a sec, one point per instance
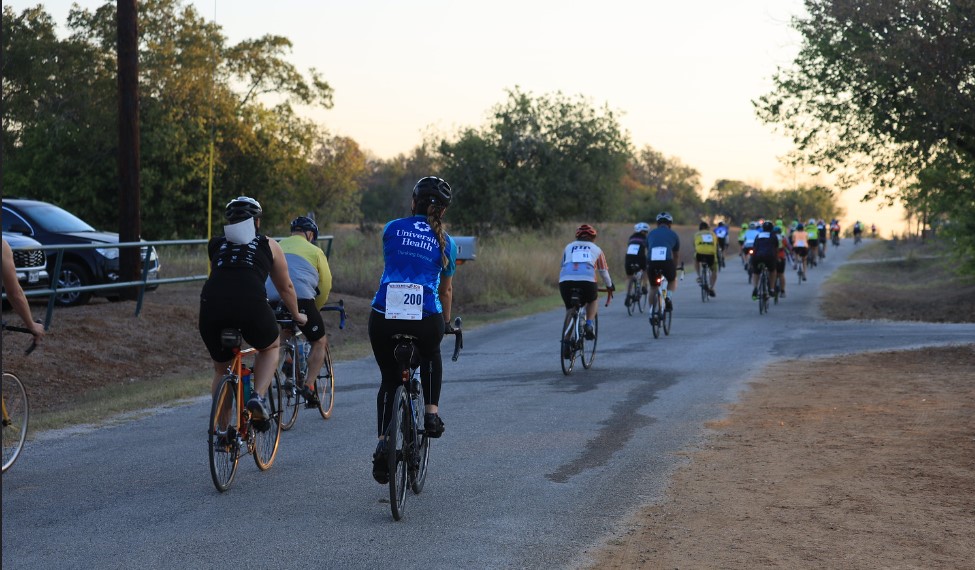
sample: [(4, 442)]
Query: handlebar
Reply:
[(340, 307), (33, 343), (458, 338)]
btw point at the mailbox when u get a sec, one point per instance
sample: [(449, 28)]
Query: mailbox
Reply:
[(466, 248)]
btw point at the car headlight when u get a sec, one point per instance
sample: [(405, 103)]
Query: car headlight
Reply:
[(108, 252)]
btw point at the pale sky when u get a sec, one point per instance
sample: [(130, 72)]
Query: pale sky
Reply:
[(680, 74)]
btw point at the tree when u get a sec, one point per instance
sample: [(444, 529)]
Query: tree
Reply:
[(884, 89), (59, 124)]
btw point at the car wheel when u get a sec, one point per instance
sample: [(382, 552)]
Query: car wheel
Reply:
[(73, 275)]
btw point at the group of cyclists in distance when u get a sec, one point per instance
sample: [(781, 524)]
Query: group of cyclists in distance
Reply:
[(762, 242)]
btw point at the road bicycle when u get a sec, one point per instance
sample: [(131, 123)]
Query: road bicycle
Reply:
[(857, 238), (836, 239), (574, 343), (721, 259), (16, 409), (292, 371), (764, 289), (801, 274), (232, 430), (704, 280), (407, 444), (636, 296), (660, 315)]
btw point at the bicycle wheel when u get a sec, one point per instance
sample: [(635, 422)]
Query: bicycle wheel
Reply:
[(668, 315), (567, 344), (589, 346), (284, 379), (224, 442), (396, 453), (705, 280), (421, 451), (325, 386), (763, 292), (631, 298), (16, 412), (642, 299), (267, 433), (655, 315)]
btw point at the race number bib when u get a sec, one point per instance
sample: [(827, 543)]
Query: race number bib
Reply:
[(707, 238), (658, 254), (634, 249), (582, 256), (404, 301)]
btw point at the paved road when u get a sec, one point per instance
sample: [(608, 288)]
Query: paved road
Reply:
[(535, 468)]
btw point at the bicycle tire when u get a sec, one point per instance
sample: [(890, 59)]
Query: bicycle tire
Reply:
[(418, 471), (266, 441), (223, 440), (631, 298), (655, 315), (589, 346), (668, 316), (325, 386), (705, 283), (642, 300), (290, 398), (395, 454), (16, 414), (763, 292), (567, 342)]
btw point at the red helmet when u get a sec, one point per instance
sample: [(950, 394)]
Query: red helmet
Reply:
[(586, 231)]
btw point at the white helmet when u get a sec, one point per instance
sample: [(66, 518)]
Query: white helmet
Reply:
[(642, 227)]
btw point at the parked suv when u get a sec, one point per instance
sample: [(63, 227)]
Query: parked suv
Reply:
[(30, 263), (51, 225)]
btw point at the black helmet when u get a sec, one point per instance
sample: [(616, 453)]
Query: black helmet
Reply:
[(242, 208), (767, 226), (432, 190), (664, 217), (303, 224)]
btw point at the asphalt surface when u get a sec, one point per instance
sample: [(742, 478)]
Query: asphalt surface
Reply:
[(534, 471)]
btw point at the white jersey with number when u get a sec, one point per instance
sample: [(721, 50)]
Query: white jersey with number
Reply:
[(581, 260)]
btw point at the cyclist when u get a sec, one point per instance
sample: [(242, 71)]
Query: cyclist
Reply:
[(741, 241), (766, 252), (636, 256), (857, 229), (749, 245), (581, 261), (800, 246), (706, 253), (721, 232), (834, 230), (663, 248), (234, 296), (822, 235), (414, 297), (784, 251), (15, 295), (312, 279), (812, 233), (873, 230)]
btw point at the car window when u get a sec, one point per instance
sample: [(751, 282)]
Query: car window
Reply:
[(56, 220), (10, 218)]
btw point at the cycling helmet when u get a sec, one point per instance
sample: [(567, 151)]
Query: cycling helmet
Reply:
[(777, 229), (242, 208), (752, 225), (664, 217), (767, 226), (586, 231), (721, 223), (642, 227), (303, 224), (433, 190), (703, 226)]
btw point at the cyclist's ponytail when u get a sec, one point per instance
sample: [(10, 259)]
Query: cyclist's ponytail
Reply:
[(435, 219)]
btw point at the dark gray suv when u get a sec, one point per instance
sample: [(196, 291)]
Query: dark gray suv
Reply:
[(30, 263), (51, 225)]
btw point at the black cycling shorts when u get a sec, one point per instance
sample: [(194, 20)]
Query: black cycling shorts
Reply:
[(314, 329), (635, 263), (587, 291), (813, 243), (769, 262), (705, 258), (253, 318), (780, 265), (800, 251), (668, 267)]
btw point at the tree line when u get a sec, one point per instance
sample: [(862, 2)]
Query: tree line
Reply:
[(538, 159)]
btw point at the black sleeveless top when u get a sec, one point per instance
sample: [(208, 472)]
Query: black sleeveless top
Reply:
[(238, 271)]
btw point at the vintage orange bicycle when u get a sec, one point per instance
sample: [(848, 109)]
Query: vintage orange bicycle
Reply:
[(232, 430), (16, 409)]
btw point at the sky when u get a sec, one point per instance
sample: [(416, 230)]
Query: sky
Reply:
[(680, 75)]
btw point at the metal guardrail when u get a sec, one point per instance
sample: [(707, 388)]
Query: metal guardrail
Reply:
[(53, 289)]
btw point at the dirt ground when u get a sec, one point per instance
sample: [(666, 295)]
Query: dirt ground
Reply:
[(865, 462)]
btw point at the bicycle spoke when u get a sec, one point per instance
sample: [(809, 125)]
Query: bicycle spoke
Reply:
[(16, 412)]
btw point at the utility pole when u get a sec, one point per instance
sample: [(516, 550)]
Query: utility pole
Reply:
[(130, 227)]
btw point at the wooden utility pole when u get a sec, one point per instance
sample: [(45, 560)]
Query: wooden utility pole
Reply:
[(129, 225)]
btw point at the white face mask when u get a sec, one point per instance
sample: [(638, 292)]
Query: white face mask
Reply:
[(241, 232)]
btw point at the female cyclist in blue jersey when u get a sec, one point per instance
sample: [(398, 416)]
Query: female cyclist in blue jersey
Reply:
[(414, 298)]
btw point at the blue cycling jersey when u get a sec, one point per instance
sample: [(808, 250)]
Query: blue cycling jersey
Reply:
[(412, 258), (662, 243)]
